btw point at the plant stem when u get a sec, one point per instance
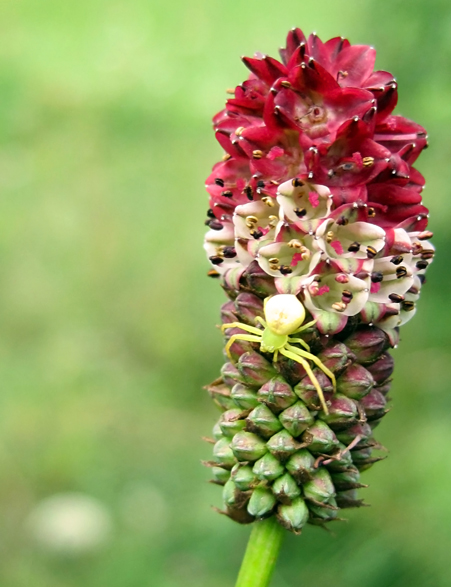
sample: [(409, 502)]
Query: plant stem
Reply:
[(261, 554)]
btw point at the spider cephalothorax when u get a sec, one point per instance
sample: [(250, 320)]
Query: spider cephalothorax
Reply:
[(284, 317)]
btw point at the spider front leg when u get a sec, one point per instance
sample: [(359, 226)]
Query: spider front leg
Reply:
[(296, 357), (305, 326), (234, 337), (300, 341), (317, 362), (243, 326)]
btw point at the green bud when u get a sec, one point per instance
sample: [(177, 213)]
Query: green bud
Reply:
[(361, 429), (282, 445), (244, 396), (293, 517), (320, 438), (363, 460), (230, 422), (268, 468), (374, 404), (223, 454), (247, 446), (285, 488), (231, 375), (233, 497), (306, 391), (367, 343), (219, 391), (259, 281), (248, 307), (320, 489), (243, 477), (261, 502), (255, 369), (263, 422), (348, 499), (217, 432), (342, 412), (340, 461), (355, 382), (220, 475), (301, 465), (322, 514), (296, 419), (228, 313), (277, 394), (349, 479)]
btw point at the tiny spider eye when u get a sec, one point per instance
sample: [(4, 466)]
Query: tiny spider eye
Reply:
[(284, 313)]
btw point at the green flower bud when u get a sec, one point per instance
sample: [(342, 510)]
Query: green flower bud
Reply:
[(259, 281), (320, 488), (219, 391), (217, 432), (220, 475), (231, 375), (293, 517), (374, 404), (228, 313), (247, 446), (230, 422), (349, 479), (243, 477), (282, 445), (296, 419), (277, 394), (228, 493), (355, 382), (348, 499), (319, 515), (340, 461), (301, 465), (223, 454), (261, 502), (361, 429), (336, 357), (363, 460), (285, 488), (306, 391), (255, 369), (320, 438), (367, 343), (342, 412), (268, 468), (248, 307), (263, 422), (244, 396)]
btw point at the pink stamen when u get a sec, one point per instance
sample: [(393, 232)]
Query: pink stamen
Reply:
[(323, 290), (341, 278), (336, 245), (275, 152), (313, 198), (297, 257), (375, 287)]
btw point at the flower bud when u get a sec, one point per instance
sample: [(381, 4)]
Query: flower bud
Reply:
[(320, 488), (248, 307), (220, 475), (244, 396), (231, 375), (293, 517), (277, 394), (263, 422), (259, 281), (228, 313), (355, 382), (319, 515), (349, 479), (367, 343), (232, 496), (230, 422), (219, 391), (385, 387), (320, 438), (374, 404), (223, 454), (336, 357), (282, 445), (348, 499), (361, 429), (217, 432), (261, 502), (296, 419), (306, 391), (363, 460), (342, 412), (301, 465), (382, 369), (268, 468), (255, 369), (247, 446), (243, 477), (285, 488), (239, 347), (341, 460)]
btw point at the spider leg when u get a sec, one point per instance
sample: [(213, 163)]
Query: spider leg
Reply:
[(245, 327), (276, 354), (305, 326), (317, 362), (261, 321), (304, 363), (234, 337), (300, 341)]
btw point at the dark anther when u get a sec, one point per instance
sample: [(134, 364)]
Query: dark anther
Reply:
[(300, 212), (397, 260), (377, 277), (422, 279), (285, 270), (216, 225), (219, 181), (427, 254), (354, 247), (297, 183), (216, 260), (395, 298), (227, 194), (371, 252), (401, 272), (256, 234), (371, 212), (229, 252), (408, 306), (210, 213), (342, 221), (422, 264), (212, 273), (260, 183), (248, 191), (346, 296), (427, 234), (416, 249)]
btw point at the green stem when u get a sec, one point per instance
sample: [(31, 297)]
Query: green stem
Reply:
[(261, 554)]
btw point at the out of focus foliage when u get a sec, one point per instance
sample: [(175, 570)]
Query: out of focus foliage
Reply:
[(107, 318)]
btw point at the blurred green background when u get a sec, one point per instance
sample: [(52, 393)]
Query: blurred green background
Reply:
[(107, 320)]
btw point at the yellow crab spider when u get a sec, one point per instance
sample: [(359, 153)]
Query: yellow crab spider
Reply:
[(284, 316)]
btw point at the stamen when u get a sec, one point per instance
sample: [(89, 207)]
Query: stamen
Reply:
[(229, 252), (295, 244), (257, 154), (342, 221), (371, 252), (256, 234), (268, 201), (248, 191), (425, 235), (216, 259), (329, 236), (422, 265), (251, 221), (427, 254), (371, 212), (212, 273), (285, 84), (239, 130), (285, 270), (368, 161), (297, 183), (354, 247), (273, 220), (395, 298), (227, 194), (219, 181), (210, 213), (260, 183), (401, 272), (300, 212), (377, 277), (408, 306), (339, 306), (215, 225), (397, 260)]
